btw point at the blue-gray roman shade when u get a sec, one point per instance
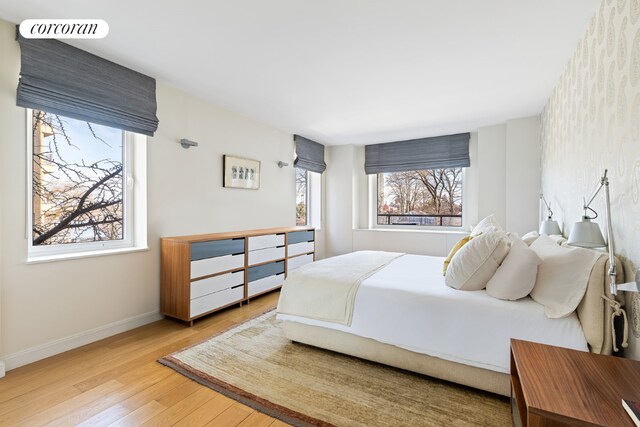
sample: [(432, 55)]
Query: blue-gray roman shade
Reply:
[(440, 152), (309, 154), (62, 79)]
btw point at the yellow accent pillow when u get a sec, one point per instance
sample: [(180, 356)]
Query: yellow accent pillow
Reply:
[(455, 249)]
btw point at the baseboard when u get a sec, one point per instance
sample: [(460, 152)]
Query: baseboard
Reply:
[(30, 355)]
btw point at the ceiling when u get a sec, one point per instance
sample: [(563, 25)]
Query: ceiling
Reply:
[(343, 71)]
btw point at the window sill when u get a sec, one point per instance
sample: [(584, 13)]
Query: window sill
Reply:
[(80, 255), (410, 230)]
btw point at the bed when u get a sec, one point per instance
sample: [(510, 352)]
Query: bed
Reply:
[(404, 316)]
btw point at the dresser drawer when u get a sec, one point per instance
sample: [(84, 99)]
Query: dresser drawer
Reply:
[(301, 248), (216, 300), (265, 284), (205, 267), (213, 284), (261, 271), (264, 255), (268, 241), (299, 236), (299, 261), (216, 248)]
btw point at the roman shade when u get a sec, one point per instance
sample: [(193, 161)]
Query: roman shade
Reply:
[(65, 80), (450, 151), (309, 154)]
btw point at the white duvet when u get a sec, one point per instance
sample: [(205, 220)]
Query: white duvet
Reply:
[(407, 304)]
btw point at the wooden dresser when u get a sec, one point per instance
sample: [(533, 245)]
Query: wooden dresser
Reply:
[(207, 272)]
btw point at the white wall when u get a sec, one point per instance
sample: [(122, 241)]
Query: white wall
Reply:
[(492, 142), (433, 243), (50, 307), (471, 191), (509, 174), (592, 123), (522, 175), (341, 197)]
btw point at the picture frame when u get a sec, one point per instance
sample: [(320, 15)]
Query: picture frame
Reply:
[(240, 172)]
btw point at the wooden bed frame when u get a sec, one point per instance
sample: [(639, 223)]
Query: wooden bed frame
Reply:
[(594, 313)]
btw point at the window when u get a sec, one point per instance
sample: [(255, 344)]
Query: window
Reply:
[(302, 196), (81, 186), (425, 197)]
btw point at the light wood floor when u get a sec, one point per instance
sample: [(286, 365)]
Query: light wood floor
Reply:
[(117, 381)]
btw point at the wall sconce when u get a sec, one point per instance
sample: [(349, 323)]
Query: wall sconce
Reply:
[(549, 226), (587, 234), (186, 144)]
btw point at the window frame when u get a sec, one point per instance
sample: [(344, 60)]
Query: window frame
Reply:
[(314, 200), (373, 210), (132, 238)]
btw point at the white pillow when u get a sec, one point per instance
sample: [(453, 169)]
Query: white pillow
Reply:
[(516, 276), (512, 235), (474, 264), (559, 239), (562, 277), (487, 225), (530, 237)]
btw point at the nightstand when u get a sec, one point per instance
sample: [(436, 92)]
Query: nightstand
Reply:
[(553, 386)]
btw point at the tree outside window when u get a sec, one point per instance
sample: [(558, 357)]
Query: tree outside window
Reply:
[(425, 197), (77, 181), (302, 197)]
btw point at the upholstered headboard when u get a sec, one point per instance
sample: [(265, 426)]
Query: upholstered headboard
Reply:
[(594, 311)]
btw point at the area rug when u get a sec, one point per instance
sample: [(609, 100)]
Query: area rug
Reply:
[(255, 364)]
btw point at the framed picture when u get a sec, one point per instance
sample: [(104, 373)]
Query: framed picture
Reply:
[(241, 173)]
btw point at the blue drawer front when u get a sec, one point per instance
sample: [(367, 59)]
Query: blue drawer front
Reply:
[(266, 270), (214, 248), (300, 236)]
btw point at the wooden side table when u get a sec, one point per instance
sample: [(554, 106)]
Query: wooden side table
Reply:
[(553, 386)]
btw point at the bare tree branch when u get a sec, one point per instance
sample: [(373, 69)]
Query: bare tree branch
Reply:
[(73, 201), (96, 136), (65, 223), (423, 192), (94, 223)]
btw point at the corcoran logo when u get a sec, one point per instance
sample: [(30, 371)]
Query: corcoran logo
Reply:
[(64, 29)]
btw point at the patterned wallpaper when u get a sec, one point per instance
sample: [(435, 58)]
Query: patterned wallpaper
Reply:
[(592, 123)]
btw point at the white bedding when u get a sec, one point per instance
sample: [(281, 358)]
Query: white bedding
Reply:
[(407, 304), (326, 290)]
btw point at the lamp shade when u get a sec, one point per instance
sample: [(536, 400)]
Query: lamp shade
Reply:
[(550, 227), (586, 234)]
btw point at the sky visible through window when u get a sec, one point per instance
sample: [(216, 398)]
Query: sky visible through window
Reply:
[(88, 148)]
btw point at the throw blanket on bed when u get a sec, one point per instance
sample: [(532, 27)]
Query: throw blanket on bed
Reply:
[(326, 289)]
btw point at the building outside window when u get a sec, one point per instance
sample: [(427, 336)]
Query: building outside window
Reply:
[(424, 198), (81, 186)]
